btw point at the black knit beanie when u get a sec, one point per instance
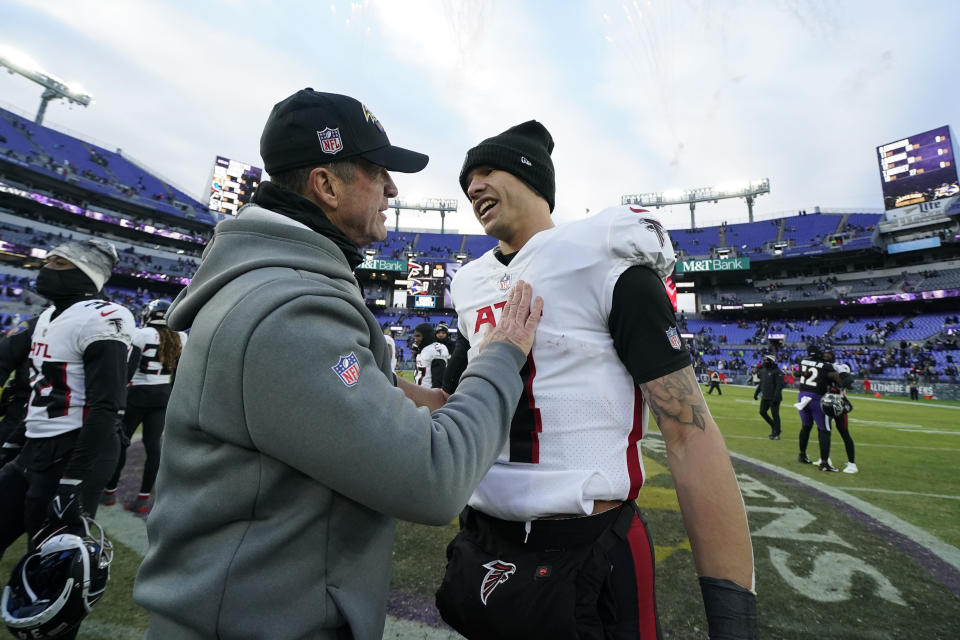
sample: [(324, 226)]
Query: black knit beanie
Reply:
[(524, 151)]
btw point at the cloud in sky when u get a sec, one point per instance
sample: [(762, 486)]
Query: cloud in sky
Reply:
[(640, 95)]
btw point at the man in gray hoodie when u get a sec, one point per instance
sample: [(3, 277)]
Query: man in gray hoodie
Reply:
[(288, 450)]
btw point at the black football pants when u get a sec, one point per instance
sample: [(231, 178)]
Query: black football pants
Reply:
[(774, 407)]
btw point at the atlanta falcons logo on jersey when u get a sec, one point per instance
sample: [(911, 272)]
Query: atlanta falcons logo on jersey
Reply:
[(498, 572)]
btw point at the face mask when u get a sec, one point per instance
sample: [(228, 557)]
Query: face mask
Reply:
[(68, 283)]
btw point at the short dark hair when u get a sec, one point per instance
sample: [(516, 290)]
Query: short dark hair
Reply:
[(297, 180)]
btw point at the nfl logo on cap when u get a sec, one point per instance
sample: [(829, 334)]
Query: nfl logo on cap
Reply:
[(330, 141), (348, 369)]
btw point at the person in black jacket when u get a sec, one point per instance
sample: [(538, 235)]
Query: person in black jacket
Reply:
[(442, 334), (770, 391)]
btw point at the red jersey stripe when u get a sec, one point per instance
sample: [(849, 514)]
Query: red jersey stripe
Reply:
[(634, 468)]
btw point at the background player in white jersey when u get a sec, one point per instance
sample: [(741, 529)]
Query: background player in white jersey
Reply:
[(78, 362), (837, 407), (432, 357), (153, 360), (607, 346), (391, 345)]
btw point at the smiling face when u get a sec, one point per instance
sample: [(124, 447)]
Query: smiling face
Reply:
[(362, 202), (507, 208)]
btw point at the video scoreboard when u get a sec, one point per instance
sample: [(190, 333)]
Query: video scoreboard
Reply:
[(232, 184), (918, 169), (426, 283)]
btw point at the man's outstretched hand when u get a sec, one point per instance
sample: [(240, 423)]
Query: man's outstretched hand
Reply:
[(518, 321)]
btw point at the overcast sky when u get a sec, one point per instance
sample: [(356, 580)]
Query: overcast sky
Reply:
[(641, 96)]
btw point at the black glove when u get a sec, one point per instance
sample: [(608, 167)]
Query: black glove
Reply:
[(731, 610), (65, 509)]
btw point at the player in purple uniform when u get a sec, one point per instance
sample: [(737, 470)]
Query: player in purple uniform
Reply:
[(816, 375)]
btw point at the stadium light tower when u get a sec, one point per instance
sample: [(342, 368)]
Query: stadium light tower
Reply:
[(747, 190), (54, 88), (430, 204)]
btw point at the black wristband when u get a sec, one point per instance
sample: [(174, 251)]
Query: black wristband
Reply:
[(731, 610)]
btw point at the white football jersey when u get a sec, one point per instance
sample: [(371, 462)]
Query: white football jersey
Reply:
[(425, 358), (393, 351), (151, 370), (58, 397), (575, 437)]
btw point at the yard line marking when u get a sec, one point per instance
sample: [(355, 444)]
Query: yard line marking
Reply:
[(905, 493), (859, 397), (882, 423), (949, 433)]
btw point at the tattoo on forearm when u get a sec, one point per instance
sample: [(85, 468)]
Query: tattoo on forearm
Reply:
[(675, 399)]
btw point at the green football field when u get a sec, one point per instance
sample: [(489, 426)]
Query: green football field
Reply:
[(866, 556)]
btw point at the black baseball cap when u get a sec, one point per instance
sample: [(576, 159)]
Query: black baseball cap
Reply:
[(311, 127)]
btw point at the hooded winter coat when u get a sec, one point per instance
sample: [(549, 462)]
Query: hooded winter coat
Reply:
[(288, 452)]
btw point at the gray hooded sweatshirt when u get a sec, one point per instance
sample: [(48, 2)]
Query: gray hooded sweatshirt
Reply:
[(288, 452)]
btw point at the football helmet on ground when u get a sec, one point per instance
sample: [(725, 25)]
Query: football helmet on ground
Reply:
[(54, 587)]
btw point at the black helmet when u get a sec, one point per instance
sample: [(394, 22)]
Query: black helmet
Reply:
[(832, 405), (52, 589), (155, 313), (813, 351)]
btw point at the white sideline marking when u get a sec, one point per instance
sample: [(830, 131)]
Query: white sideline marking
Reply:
[(101, 630), (860, 397), (881, 423), (949, 433), (123, 526), (905, 493)]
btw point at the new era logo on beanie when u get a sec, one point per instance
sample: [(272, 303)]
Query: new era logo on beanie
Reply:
[(311, 127), (524, 151)]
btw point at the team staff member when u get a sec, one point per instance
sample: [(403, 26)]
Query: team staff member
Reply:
[(78, 361), (288, 451), (770, 391), (572, 468), (156, 350), (432, 357), (714, 383)]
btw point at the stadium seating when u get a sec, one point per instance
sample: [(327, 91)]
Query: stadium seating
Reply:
[(107, 172), (477, 245)]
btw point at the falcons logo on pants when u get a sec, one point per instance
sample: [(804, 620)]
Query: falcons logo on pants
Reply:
[(498, 572)]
